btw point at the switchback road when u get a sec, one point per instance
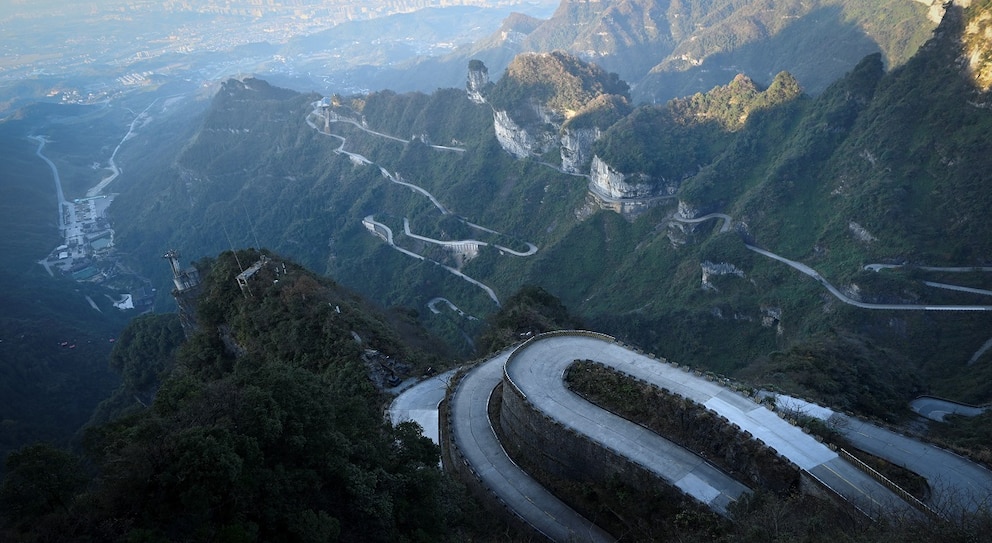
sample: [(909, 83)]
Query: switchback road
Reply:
[(476, 440), (536, 369), (540, 363)]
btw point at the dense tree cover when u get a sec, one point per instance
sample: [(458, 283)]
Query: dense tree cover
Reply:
[(560, 82), (798, 177), (53, 343), (267, 428), (531, 311), (143, 356), (672, 142)]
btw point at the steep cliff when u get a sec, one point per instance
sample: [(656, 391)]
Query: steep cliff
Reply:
[(555, 100), (478, 81)]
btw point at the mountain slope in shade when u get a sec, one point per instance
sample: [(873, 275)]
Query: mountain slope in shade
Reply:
[(669, 48)]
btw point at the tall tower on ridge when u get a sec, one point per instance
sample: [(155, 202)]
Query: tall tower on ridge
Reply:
[(187, 282)]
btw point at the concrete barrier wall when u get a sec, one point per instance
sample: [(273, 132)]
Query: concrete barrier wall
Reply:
[(564, 453), (455, 463), (726, 445), (912, 500)]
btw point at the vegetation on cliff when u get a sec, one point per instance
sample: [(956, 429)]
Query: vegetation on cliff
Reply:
[(839, 180), (266, 428), (560, 82)]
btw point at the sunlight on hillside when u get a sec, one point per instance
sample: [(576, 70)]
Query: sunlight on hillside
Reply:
[(978, 48)]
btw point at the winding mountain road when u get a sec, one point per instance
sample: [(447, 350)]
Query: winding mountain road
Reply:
[(955, 482), (531, 248), (386, 234), (536, 368), (384, 231), (864, 305), (476, 440)]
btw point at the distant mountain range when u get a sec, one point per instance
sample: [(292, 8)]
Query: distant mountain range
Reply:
[(881, 167), (644, 218), (669, 48)]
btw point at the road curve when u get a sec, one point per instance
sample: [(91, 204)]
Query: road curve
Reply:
[(537, 370), (725, 227), (864, 305), (476, 440), (531, 248), (547, 356), (386, 233), (955, 482)]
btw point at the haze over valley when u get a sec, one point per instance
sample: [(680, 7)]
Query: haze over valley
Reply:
[(763, 220)]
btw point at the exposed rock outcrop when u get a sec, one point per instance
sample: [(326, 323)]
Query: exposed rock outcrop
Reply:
[(519, 141), (478, 80), (939, 7), (687, 210), (576, 147), (613, 184), (711, 269)]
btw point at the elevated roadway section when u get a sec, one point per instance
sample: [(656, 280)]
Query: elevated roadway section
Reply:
[(476, 440), (538, 366), (956, 483), (536, 370)]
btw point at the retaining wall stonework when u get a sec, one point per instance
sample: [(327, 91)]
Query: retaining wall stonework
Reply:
[(563, 453), (453, 462)]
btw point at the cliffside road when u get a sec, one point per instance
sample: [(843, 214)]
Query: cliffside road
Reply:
[(463, 242), (432, 305), (842, 297), (725, 227), (959, 288), (936, 409), (955, 483), (386, 234), (419, 403), (537, 370), (334, 118), (951, 269), (399, 181), (547, 358), (476, 440), (384, 231)]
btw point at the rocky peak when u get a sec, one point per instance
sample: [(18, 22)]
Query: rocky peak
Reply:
[(978, 47), (478, 80), (612, 184)]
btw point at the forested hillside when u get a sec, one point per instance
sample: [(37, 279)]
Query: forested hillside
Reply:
[(880, 168), (674, 48), (266, 428)]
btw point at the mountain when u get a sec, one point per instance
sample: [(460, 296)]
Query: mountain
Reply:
[(831, 245), (673, 48), (412, 200), (266, 427)]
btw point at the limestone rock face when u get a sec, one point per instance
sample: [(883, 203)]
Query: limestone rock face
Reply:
[(614, 184), (576, 146), (687, 211), (478, 79), (711, 269), (978, 48), (519, 141), (939, 7)]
